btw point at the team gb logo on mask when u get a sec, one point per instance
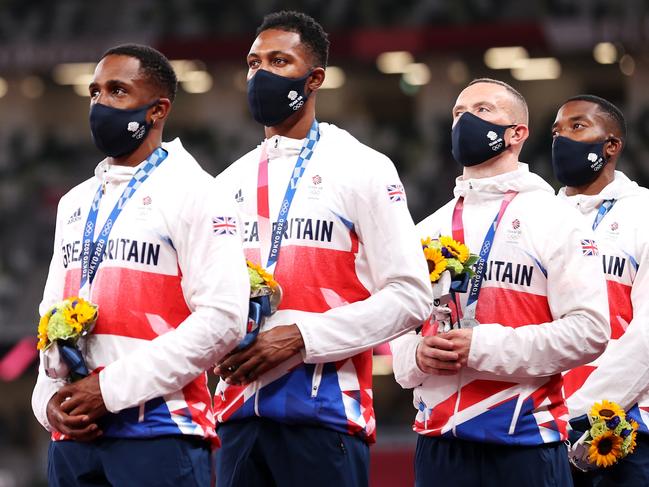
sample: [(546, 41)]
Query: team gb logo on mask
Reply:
[(495, 142), (296, 100), (137, 129)]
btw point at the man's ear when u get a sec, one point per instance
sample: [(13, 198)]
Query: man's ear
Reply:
[(613, 146), (519, 134), (316, 79), (160, 111)]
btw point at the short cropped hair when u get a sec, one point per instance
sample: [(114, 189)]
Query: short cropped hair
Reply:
[(610, 111), (511, 90), (312, 35), (155, 66)]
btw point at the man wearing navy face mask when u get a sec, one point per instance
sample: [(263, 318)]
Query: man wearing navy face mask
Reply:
[(488, 394), (328, 217), (589, 135), (144, 240)]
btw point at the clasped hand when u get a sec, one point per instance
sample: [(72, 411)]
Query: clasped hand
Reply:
[(74, 410), (271, 348), (444, 354)]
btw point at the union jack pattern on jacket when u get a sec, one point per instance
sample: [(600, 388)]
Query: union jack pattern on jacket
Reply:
[(541, 312), (172, 296), (352, 275)]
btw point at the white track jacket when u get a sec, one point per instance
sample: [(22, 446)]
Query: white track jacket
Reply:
[(172, 295), (542, 311), (621, 373), (352, 273)]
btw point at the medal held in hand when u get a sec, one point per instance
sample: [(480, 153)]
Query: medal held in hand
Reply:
[(59, 333), (450, 266)]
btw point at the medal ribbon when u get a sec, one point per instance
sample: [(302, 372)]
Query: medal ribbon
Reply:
[(271, 240), (92, 252), (603, 209), (485, 250)]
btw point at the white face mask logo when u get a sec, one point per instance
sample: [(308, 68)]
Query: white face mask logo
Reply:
[(292, 95), (491, 135), (592, 157), (132, 126)]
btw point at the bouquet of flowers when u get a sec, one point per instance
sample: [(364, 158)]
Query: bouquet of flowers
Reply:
[(445, 254), (450, 265), (59, 331), (265, 296), (610, 438)]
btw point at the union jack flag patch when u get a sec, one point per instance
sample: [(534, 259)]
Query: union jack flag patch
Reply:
[(589, 247), (396, 192), (224, 225)]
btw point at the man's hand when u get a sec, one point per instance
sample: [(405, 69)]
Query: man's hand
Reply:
[(444, 354), (269, 349), (84, 398), (74, 427), (461, 340), (435, 356)]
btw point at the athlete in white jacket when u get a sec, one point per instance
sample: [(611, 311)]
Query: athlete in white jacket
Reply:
[(614, 206), (297, 405), (489, 402), (172, 292)]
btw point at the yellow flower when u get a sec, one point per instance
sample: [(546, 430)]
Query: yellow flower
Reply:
[(425, 242), (436, 263), (457, 249), (71, 318), (267, 278), (85, 311), (42, 331), (606, 410), (78, 313), (605, 450)]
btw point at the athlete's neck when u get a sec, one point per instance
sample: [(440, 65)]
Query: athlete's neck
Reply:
[(596, 187), (493, 167)]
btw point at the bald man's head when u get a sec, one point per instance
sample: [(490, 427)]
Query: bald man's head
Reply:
[(499, 104), (518, 106)]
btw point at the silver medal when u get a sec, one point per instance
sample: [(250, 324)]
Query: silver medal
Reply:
[(469, 323)]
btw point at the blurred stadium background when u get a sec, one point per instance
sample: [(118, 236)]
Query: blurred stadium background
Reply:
[(395, 70)]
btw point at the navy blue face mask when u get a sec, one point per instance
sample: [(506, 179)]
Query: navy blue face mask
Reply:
[(577, 163), (475, 140), (117, 132), (273, 98)]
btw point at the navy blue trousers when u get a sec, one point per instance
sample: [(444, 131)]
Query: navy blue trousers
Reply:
[(258, 452), (458, 463), (632, 471), (173, 461)]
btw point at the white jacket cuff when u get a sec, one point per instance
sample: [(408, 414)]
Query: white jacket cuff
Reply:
[(404, 361)]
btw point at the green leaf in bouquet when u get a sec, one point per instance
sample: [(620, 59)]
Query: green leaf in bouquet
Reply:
[(454, 266), (469, 271), (435, 244), (473, 258), (256, 281), (598, 429), (59, 329)]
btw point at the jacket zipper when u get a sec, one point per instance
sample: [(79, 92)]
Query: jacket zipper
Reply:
[(317, 378)]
